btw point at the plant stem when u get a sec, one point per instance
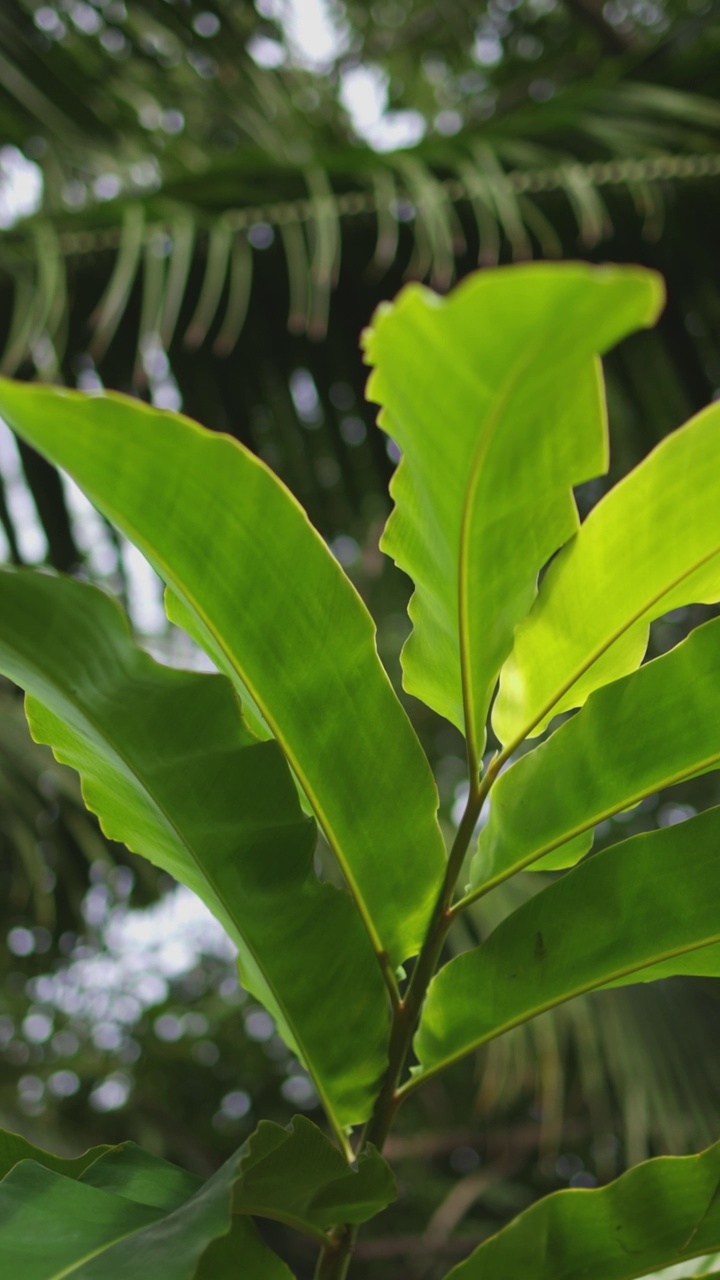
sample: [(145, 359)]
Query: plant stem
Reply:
[(335, 1258)]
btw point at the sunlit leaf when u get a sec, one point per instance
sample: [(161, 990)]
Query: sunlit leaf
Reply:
[(649, 730), (230, 540), (494, 397), (651, 545)]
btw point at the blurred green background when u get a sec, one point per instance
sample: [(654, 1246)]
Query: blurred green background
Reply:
[(203, 206)]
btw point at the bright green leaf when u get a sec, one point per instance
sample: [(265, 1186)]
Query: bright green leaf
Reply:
[(270, 599), (495, 398), (651, 545), (659, 1213), (171, 769), (651, 729), (639, 910)]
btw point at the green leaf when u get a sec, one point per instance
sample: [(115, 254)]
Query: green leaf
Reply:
[(652, 544), (647, 731), (172, 770), (53, 1225), (296, 1176), (97, 1228), (494, 396), (134, 1174), (242, 1246), (658, 1214), (640, 910), (270, 598), (14, 1148)]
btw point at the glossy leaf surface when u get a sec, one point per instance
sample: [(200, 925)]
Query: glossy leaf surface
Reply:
[(272, 601), (651, 545), (633, 737), (643, 909), (172, 770), (656, 1215), (495, 398)]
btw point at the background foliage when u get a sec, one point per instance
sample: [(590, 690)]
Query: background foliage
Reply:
[(220, 215)]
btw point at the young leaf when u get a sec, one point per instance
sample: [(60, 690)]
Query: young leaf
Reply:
[(650, 729), (643, 909), (270, 598), (172, 770), (658, 1214), (651, 545), (494, 396)]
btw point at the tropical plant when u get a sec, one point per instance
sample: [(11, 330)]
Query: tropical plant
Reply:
[(494, 398)]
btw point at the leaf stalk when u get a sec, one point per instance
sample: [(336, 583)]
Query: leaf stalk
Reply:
[(335, 1258)]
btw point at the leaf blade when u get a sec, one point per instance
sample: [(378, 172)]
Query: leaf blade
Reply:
[(496, 390), (641, 733), (308, 658), (638, 910), (93, 1229), (651, 545), (659, 1213), (172, 770)]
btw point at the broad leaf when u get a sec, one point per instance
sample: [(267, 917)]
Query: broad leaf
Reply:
[(172, 770), (242, 1247), (652, 544), (658, 1214), (647, 731), (295, 1175), (272, 601), (54, 1228), (134, 1174), (14, 1148), (132, 1214), (640, 910), (495, 398)]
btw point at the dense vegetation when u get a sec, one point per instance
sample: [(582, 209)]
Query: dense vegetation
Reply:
[(167, 261)]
